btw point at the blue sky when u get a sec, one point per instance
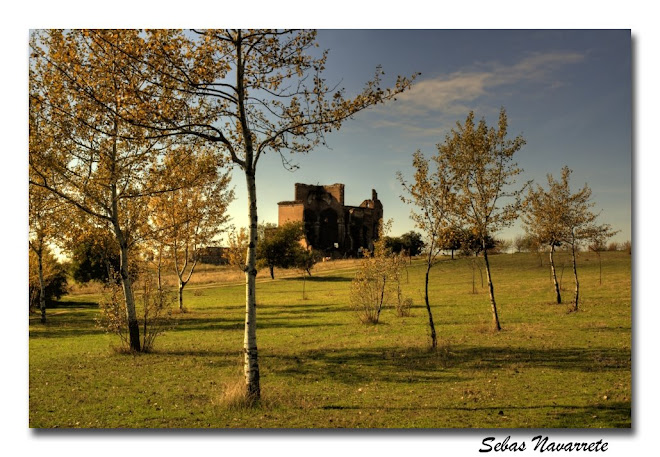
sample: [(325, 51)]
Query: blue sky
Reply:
[(568, 92)]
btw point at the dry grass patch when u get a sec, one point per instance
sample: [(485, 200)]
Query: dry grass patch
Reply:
[(234, 397)]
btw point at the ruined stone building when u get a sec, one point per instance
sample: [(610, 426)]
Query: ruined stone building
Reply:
[(331, 226)]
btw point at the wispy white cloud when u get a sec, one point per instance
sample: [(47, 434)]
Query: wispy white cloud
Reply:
[(539, 67), (454, 93), (438, 93)]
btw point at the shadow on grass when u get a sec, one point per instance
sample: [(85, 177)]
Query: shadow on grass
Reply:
[(70, 320), (614, 414), (66, 304), (65, 319), (354, 366), (64, 324), (272, 321), (573, 359), (616, 330), (306, 308), (197, 353), (211, 326), (65, 332), (319, 279), (357, 366)]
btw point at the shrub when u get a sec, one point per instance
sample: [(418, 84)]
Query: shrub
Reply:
[(377, 280), (368, 289), (403, 307), (154, 307)]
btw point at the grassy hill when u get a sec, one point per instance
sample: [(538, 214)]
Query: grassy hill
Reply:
[(320, 367)]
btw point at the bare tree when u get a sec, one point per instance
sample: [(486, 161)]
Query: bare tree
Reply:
[(598, 239), (519, 244)]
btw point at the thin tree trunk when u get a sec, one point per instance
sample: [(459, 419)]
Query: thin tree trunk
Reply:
[(131, 315), (382, 297), (554, 273), (251, 364), (496, 319), (575, 275), (158, 269), (434, 338), (181, 274), (181, 286), (42, 286), (127, 283)]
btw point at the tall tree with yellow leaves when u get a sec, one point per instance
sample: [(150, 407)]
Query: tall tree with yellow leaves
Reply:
[(250, 93), (83, 86)]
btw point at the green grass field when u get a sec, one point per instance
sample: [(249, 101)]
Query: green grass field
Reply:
[(322, 368)]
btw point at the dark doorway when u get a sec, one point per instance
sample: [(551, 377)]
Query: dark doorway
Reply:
[(329, 231)]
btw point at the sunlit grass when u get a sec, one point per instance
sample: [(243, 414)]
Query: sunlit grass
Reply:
[(320, 367)]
